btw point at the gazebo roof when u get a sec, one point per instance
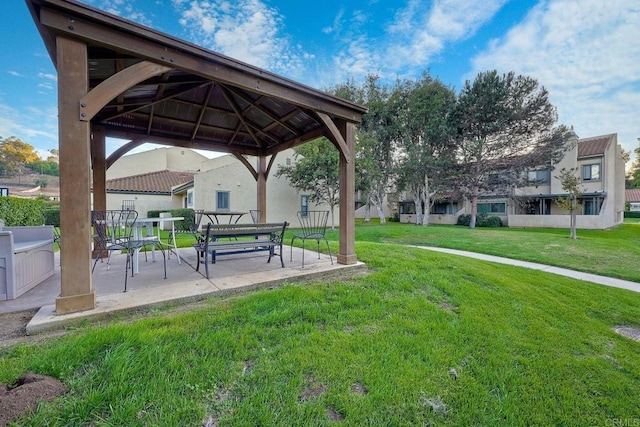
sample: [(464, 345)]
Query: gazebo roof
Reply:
[(183, 94)]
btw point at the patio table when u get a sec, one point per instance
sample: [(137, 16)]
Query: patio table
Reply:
[(138, 234), (214, 216)]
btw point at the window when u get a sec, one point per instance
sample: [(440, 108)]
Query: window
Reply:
[(591, 172), (304, 205), (591, 206), (189, 202), (495, 208), (222, 199), (444, 208), (288, 161), (538, 177)]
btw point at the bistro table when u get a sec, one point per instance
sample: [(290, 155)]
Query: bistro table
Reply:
[(138, 234), (214, 216)]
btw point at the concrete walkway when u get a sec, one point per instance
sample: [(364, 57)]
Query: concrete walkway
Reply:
[(602, 280)]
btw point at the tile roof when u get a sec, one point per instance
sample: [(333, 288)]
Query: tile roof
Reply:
[(594, 146), (154, 182), (632, 195)]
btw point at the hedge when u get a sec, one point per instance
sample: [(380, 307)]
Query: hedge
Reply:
[(632, 214), (52, 216), (482, 220), (15, 211), (185, 225)]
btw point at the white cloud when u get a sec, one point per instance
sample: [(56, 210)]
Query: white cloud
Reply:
[(122, 8), (48, 76), (587, 54), (417, 32), (247, 30), (36, 127), (15, 73)]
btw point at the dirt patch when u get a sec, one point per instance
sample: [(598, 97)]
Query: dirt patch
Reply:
[(633, 333), (13, 329), (23, 396), (334, 415), (359, 388)]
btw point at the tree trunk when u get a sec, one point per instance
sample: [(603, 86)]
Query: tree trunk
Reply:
[(378, 198), (418, 204), (573, 218), (383, 219), (367, 213), (474, 208), (426, 201)]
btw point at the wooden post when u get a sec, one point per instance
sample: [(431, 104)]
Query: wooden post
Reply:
[(261, 202), (347, 253), (77, 293), (99, 162)]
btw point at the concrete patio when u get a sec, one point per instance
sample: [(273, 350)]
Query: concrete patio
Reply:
[(232, 273)]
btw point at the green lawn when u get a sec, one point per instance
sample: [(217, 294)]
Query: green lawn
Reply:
[(614, 252), (424, 339)]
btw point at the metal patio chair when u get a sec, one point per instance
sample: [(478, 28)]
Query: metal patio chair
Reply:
[(313, 226), (114, 231), (193, 229), (256, 215)]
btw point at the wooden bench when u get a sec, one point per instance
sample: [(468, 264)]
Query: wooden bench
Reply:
[(26, 258), (228, 239)]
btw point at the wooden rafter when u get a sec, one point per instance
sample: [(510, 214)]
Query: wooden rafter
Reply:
[(256, 105), (159, 95), (203, 109), (98, 97), (151, 103), (238, 113)]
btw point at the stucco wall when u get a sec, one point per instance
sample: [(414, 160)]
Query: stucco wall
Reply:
[(228, 174), (556, 221), (159, 159), (143, 202)]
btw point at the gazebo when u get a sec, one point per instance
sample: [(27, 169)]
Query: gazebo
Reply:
[(120, 79)]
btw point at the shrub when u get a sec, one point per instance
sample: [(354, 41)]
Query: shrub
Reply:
[(20, 212), (186, 224), (464, 220), (52, 216), (632, 214), (482, 220), (490, 221)]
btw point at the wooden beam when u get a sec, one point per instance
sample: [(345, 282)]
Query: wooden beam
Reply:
[(140, 106), (347, 254), (121, 151), (92, 102), (150, 45), (261, 187), (246, 163), (221, 147), (76, 293), (203, 109), (335, 136)]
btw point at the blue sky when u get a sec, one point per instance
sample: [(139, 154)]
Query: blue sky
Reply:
[(585, 52)]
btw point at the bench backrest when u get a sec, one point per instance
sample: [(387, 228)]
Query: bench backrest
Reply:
[(235, 230)]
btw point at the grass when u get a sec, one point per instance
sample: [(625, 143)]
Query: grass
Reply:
[(613, 252), (424, 339)]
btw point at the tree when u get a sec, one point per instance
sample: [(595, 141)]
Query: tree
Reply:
[(425, 140), (633, 177), (505, 125), (316, 170), (374, 144), (571, 184), (14, 155)]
